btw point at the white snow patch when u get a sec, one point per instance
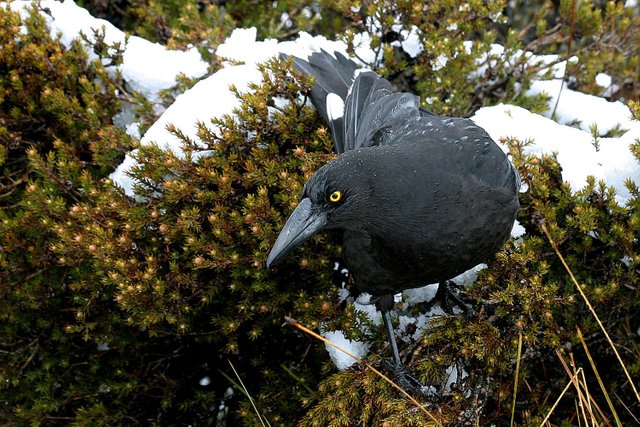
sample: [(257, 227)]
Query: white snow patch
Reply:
[(340, 359), (150, 67), (423, 294), (363, 51), (125, 120), (363, 304), (454, 376), (606, 82), (518, 230), (146, 67), (343, 294), (468, 277), (285, 20), (421, 323), (612, 162), (409, 40), (603, 80), (583, 109), (242, 46), (204, 381), (307, 12)]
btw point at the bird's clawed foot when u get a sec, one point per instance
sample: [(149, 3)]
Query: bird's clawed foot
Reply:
[(448, 298), (403, 378)]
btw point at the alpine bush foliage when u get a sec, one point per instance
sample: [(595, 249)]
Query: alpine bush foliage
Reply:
[(153, 311)]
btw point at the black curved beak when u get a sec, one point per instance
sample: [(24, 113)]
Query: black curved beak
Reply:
[(301, 225)]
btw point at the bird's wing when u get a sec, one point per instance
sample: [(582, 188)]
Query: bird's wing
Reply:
[(497, 173), (372, 110)]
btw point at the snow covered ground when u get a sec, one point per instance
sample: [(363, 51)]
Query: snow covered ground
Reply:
[(149, 68)]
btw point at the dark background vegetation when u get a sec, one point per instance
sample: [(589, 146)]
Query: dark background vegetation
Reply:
[(112, 311)]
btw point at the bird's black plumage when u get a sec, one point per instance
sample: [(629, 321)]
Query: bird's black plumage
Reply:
[(420, 198)]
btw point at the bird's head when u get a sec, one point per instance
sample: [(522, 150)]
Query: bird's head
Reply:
[(332, 198)]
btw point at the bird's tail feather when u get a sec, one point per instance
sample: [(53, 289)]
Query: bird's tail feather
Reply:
[(358, 106), (333, 75)]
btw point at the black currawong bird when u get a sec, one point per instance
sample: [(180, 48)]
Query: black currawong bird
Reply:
[(420, 198)]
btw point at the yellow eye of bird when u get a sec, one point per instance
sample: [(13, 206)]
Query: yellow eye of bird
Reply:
[(335, 196)]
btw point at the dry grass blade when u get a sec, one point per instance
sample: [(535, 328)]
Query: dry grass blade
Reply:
[(546, 419), (293, 322), (624, 405), (579, 389), (588, 400), (583, 395), (585, 399), (515, 384), (579, 410), (595, 370), (591, 309), (244, 390)]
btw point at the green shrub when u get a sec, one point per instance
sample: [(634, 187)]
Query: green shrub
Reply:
[(112, 311)]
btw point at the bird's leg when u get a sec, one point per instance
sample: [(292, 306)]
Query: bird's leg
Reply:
[(445, 294), (392, 338), (401, 374)]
